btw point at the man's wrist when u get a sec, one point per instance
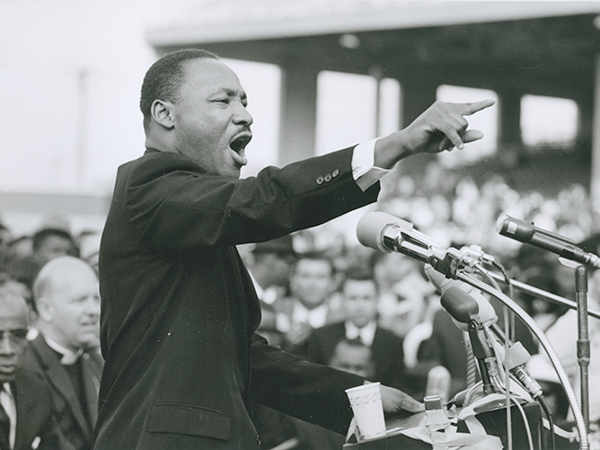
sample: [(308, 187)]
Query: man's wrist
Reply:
[(389, 150)]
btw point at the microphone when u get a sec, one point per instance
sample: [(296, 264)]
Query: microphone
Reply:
[(517, 357), (527, 233), (461, 300), (463, 306), (388, 233), (465, 303)]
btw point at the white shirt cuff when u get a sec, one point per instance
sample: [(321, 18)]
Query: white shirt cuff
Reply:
[(363, 165)]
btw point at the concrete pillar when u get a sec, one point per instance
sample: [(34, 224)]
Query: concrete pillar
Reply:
[(595, 175), (298, 111), (509, 136), (418, 94)]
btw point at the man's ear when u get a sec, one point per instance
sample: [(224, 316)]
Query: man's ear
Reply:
[(162, 113), (45, 311)]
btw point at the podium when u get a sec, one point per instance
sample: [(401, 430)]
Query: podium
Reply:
[(493, 421)]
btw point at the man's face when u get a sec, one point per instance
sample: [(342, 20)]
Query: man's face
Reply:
[(354, 359), (312, 282), (13, 337), (75, 309), (360, 301), (52, 247), (212, 125)]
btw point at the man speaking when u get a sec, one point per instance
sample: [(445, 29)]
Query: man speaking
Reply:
[(183, 364)]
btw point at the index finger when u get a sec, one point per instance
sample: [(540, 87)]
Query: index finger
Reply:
[(471, 108)]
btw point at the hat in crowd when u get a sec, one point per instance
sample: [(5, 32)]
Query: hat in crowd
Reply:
[(281, 246)]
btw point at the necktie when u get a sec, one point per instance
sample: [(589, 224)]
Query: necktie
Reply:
[(4, 429), (8, 416)]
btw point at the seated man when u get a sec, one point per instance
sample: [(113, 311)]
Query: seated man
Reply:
[(312, 284), (65, 353), (27, 416), (355, 357), (359, 302)]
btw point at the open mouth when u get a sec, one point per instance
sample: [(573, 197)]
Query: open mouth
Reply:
[(239, 143)]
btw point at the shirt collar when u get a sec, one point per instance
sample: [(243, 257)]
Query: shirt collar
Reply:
[(366, 334), (69, 357), (316, 317)]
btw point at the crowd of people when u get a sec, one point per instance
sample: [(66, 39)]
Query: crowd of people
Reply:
[(155, 346), (324, 299), (376, 313), (327, 300)]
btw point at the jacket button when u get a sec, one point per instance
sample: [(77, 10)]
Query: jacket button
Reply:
[(320, 180), (335, 173), (328, 178)]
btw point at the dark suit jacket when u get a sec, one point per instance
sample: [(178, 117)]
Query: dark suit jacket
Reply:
[(386, 351), (36, 421), (285, 307), (42, 360), (179, 310)]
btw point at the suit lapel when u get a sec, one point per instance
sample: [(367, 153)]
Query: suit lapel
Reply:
[(59, 378)]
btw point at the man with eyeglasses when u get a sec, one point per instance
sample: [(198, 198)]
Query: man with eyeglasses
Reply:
[(27, 418)]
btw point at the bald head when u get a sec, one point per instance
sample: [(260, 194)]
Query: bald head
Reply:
[(58, 273), (67, 298)]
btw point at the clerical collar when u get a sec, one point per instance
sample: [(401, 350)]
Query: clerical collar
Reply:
[(69, 357)]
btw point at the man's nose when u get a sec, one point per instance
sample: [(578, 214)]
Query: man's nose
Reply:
[(6, 345), (93, 306), (242, 116)]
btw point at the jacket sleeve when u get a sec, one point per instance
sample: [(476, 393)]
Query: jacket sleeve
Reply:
[(311, 392), (174, 205)]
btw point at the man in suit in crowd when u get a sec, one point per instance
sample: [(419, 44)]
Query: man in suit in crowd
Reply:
[(65, 353), (359, 303), (270, 269), (312, 285), (51, 242), (183, 364), (27, 415)]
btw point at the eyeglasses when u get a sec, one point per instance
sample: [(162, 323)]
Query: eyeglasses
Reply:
[(14, 336)]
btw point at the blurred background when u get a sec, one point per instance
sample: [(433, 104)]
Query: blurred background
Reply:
[(320, 75)]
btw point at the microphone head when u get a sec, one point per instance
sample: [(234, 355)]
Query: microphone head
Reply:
[(459, 304), (371, 226), (515, 228), (464, 303)]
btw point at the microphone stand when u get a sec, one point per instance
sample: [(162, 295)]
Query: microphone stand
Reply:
[(484, 355), (583, 342), (575, 407), (544, 295)]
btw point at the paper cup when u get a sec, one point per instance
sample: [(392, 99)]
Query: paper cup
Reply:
[(368, 410)]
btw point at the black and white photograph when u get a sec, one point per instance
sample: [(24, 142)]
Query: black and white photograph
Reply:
[(299, 224)]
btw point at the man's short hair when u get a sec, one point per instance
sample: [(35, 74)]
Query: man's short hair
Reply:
[(359, 273), (314, 256), (12, 300), (164, 78), (41, 235)]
